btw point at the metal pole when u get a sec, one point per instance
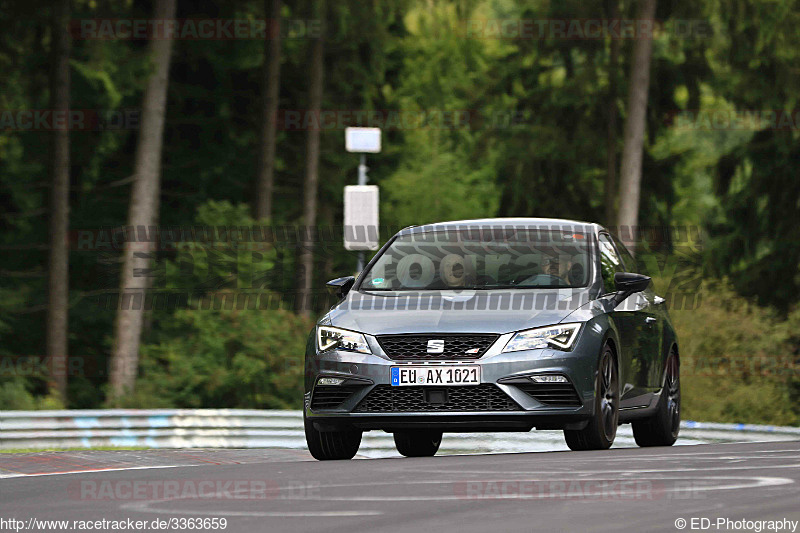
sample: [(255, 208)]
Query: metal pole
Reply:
[(362, 170), (362, 180), (360, 265)]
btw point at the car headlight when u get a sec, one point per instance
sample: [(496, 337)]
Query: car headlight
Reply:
[(329, 337), (561, 336)]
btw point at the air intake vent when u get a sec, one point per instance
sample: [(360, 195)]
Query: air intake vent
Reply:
[(388, 399), (553, 394), (331, 397)]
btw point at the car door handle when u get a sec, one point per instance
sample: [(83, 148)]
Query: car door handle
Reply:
[(650, 320)]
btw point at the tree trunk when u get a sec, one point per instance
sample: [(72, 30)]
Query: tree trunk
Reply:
[(631, 171), (143, 212), (58, 261), (271, 91), (303, 303), (611, 133)]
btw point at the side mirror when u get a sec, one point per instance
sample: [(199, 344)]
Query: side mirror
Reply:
[(628, 283), (339, 287)]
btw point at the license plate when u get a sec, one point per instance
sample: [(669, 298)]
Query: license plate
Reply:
[(436, 375)]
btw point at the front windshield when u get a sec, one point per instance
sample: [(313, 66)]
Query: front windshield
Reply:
[(482, 258)]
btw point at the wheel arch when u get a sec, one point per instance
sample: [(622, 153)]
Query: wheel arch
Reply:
[(612, 340), (672, 348)]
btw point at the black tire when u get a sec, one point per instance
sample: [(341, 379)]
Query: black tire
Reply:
[(662, 428), (602, 427), (424, 443), (329, 445)]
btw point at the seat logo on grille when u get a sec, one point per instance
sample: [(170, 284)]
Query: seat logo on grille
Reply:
[(436, 346)]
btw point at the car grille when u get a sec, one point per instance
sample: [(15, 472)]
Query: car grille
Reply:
[(553, 394), (465, 398), (331, 396), (404, 347)]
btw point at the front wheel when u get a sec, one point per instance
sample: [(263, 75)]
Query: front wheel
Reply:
[(417, 443), (328, 445), (602, 427), (662, 428)]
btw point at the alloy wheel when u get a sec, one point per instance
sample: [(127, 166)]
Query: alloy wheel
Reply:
[(609, 396)]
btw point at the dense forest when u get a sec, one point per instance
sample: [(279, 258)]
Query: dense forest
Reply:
[(234, 116)]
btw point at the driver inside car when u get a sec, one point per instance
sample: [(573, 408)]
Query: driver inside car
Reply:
[(553, 272)]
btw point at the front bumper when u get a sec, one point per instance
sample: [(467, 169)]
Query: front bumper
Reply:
[(365, 373)]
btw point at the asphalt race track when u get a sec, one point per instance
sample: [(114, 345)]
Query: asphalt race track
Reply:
[(627, 489)]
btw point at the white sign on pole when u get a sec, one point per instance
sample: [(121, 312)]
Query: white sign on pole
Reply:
[(361, 217), (362, 140)]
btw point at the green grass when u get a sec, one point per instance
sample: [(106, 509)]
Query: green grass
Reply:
[(738, 360)]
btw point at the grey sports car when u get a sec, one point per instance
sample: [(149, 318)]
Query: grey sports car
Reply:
[(493, 325)]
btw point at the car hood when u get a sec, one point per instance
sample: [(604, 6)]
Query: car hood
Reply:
[(498, 311)]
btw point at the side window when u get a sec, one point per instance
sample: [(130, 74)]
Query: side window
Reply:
[(631, 264), (627, 259), (610, 263)]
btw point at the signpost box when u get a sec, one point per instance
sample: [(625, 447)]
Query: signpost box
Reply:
[(361, 201), (361, 217)]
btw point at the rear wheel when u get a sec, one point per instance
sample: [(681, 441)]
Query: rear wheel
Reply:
[(423, 443), (602, 427), (327, 445), (662, 428)]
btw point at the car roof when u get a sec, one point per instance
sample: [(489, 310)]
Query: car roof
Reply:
[(519, 222)]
